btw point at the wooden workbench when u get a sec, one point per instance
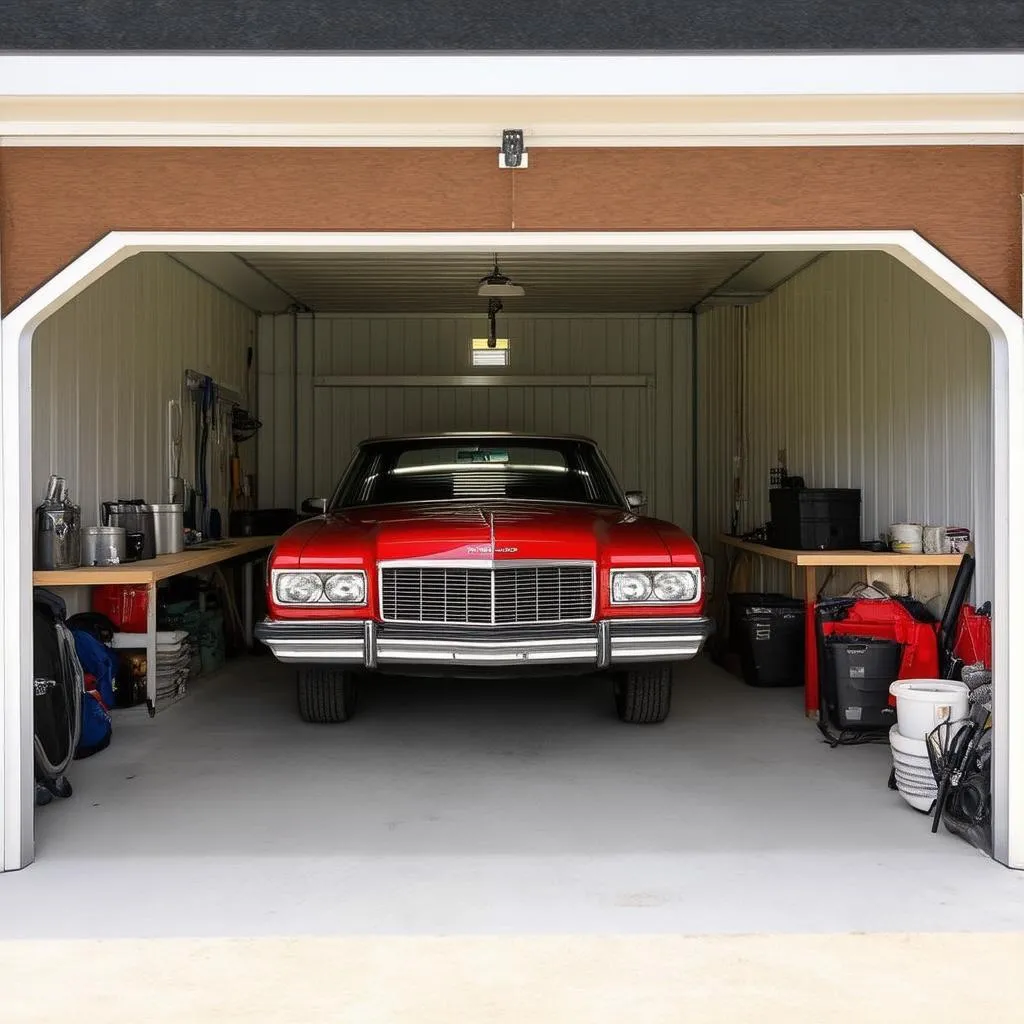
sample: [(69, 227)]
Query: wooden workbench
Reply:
[(811, 562), (151, 571)]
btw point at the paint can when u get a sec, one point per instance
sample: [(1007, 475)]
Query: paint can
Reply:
[(907, 538), (935, 541)]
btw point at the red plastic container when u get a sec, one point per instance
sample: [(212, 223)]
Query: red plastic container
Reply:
[(887, 620), (126, 605), (973, 638)]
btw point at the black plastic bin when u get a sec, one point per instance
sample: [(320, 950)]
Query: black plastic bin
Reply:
[(767, 632), (814, 519), (855, 680)]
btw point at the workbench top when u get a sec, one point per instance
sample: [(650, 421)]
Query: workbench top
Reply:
[(840, 558), (152, 570)]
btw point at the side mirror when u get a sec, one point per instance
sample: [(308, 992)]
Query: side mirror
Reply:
[(314, 506), (636, 500)]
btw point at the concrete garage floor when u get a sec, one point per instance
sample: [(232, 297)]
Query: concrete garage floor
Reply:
[(494, 808)]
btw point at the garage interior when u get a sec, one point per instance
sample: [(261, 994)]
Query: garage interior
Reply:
[(520, 806)]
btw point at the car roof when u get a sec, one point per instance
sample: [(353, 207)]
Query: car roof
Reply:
[(465, 435)]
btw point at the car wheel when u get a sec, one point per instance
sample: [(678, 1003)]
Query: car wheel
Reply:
[(643, 696), (327, 694)]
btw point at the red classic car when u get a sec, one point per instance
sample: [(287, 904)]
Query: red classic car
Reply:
[(480, 554)]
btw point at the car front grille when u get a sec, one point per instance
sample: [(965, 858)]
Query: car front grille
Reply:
[(484, 597)]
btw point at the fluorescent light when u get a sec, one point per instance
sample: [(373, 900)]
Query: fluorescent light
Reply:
[(483, 355), (490, 357)]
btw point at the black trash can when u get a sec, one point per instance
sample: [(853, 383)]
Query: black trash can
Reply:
[(767, 632), (855, 680)]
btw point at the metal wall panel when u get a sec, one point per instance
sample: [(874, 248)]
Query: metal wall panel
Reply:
[(645, 426), (720, 339), (868, 378), (277, 457), (104, 367)]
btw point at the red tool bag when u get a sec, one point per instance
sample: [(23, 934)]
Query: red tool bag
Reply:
[(973, 642), (906, 621)]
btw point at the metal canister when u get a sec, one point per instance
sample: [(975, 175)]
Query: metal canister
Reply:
[(104, 545), (58, 536), (168, 528), (135, 517)]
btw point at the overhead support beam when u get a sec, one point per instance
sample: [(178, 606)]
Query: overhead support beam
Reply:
[(237, 278)]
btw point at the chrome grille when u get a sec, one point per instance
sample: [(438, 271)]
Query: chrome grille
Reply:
[(505, 595)]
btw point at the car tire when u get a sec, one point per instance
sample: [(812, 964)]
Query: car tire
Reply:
[(643, 696), (326, 695)]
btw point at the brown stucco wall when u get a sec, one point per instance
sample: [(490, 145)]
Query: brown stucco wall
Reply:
[(57, 202)]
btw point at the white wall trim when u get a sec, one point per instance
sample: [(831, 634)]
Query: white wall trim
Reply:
[(466, 99), (1004, 325), (502, 75), (484, 380), (360, 314), (39, 135)]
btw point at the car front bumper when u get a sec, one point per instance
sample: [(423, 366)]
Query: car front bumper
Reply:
[(371, 644)]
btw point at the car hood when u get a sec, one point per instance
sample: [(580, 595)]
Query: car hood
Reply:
[(472, 530)]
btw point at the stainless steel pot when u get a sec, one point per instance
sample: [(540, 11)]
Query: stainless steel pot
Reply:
[(133, 516), (168, 528), (104, 545)]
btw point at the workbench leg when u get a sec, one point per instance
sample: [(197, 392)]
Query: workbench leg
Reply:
[(151, 648), (247, 584), (810, 642)]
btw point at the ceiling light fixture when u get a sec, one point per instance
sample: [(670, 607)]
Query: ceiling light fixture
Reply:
[(496, 284)]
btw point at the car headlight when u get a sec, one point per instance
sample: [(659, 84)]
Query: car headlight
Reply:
[(675, 586), (298, 588), (653, 586), (628, 587), (320, 588), (345, 588)]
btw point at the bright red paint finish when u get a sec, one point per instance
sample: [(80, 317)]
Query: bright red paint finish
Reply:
[(359, 538)]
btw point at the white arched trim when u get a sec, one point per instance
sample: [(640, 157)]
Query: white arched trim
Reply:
[(1003, 324)]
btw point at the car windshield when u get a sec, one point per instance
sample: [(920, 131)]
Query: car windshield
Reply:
[(454, 469)]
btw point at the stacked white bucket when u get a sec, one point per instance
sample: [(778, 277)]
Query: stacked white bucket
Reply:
[(921, 705)]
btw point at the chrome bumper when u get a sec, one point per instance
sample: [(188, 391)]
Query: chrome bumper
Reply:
[(601, 644)]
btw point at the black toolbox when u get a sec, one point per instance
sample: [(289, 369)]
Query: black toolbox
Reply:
[(814, 518), (855, 680)]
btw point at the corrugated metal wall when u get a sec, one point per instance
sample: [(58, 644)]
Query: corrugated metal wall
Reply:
[(868, 378), (104, 367), (625, 380), (720, 338)]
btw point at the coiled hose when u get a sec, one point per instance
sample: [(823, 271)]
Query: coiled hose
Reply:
[(73, 680)]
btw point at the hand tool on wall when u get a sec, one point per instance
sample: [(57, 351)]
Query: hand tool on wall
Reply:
[(175, 424)]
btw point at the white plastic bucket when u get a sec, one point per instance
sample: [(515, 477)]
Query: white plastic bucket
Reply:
[(907, 538), (923, 704), (913, 750)]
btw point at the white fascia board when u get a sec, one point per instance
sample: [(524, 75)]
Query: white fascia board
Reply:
[(467, 136), (452, 75)]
